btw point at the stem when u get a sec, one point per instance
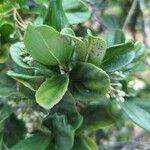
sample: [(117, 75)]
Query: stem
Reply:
[(131, 12)]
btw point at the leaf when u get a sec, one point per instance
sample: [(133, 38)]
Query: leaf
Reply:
[(67, 106), (4, 52), (139, 55), (15, 131), (88, 82), (96, 50), (55, 16), (84, 143), (41, 43), (76, 11), (6, 28), (138, 111), (63, 133), (8, 86), (97, 116), (80, 46), (36, 141), (5, 112), (118, 49), (118, 62), (115, 37), (118, 56), (111, 21), (15, 52), (52, 91), (32, 82)]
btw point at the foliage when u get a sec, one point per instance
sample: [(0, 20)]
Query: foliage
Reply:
[(77, 84)]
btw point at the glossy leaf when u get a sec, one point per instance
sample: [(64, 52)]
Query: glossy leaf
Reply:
[(118, 56), (88, 82), (42, 44), (52, 91), (138, 112), (32, 82), (36, 141), (118, 62), (96, 50)]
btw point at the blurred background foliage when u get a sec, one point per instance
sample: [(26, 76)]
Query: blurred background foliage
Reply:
[(131, 16)]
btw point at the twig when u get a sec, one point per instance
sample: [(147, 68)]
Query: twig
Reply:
[(142, 7), (131, 12)]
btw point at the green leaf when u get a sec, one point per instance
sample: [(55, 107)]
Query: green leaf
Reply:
[(88, 82), (118, 62), (52, 91), (118, 56), (67, 106), (6, 28), (55, 16), (63, 133), (41, 43), (76, 11), (35, 142), (139, 55), (97, 116), (32, 82), (5, 112), (138, 111), (111, 21), (118, 49), (7, 85), (15, 52), (115, 37), (15, 131), (96, 50), (84, 143), (4, 52), (80, 46)]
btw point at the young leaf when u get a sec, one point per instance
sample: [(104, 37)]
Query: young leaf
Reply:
[(55, 16), (32, 82), (48, 46), (138, 112), (96, 50), (52, 91), (80, 46), (35, 142), (88, 82)]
